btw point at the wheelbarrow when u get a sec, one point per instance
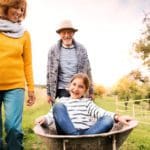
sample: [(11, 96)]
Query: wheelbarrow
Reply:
[(111, 140)]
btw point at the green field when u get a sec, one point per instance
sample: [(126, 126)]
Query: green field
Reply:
[(139, 139)]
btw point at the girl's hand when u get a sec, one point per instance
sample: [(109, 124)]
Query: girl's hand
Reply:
[(124, 119), (40, 120)]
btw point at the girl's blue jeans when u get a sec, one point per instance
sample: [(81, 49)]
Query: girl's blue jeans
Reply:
[(65, 126), (13, 101)]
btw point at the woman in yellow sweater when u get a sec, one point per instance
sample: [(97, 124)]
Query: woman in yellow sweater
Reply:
[(15, 70)]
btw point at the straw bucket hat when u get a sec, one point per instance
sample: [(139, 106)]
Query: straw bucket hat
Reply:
[(66, 24), (4, 4)]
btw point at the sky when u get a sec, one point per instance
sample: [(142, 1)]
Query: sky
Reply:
[(107, 28)]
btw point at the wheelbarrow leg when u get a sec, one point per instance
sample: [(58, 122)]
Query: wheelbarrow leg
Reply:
[(114, 143), (64, 144)]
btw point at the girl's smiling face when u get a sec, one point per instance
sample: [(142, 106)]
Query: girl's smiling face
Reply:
[(77, 88)]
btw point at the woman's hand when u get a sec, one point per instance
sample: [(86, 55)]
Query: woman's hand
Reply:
[(31, 98)]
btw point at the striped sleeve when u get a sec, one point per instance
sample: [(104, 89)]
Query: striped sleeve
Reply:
[(49, 117), (96, 111)]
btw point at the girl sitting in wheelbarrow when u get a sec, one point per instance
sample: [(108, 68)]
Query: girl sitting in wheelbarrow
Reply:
[(76, 115)]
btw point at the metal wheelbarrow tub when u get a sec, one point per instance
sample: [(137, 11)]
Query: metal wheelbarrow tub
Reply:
[(106, 141)]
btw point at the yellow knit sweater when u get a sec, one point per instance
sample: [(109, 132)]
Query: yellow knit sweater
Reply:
[(15, 62)]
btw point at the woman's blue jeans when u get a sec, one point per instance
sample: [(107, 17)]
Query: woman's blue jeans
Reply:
[(13, 101), (65, 126)]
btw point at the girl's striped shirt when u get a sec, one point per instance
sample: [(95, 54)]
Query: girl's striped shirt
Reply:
[(82, 112)]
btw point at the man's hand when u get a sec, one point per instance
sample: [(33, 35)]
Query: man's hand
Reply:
[(91, 96), (31, 98), (50, 100)]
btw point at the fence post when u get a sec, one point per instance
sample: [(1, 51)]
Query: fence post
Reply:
[(116, 101), (133, 109)]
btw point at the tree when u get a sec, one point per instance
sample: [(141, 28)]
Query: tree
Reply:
[(99, 90), (125, 89), (132, 86), (142, 46)]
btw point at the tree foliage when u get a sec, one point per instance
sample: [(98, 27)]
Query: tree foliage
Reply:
[(133, 86), (99, 90), (142, 46)]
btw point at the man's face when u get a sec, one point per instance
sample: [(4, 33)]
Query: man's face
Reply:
[(66, 37)]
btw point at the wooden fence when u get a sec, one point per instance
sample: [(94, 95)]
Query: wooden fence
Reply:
[(138, 109)]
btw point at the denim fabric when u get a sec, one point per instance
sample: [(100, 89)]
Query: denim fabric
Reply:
[(62, 120), (14, 140), (62, 93), (65, 126), (1, 125), (13, 101), (103, 124)]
